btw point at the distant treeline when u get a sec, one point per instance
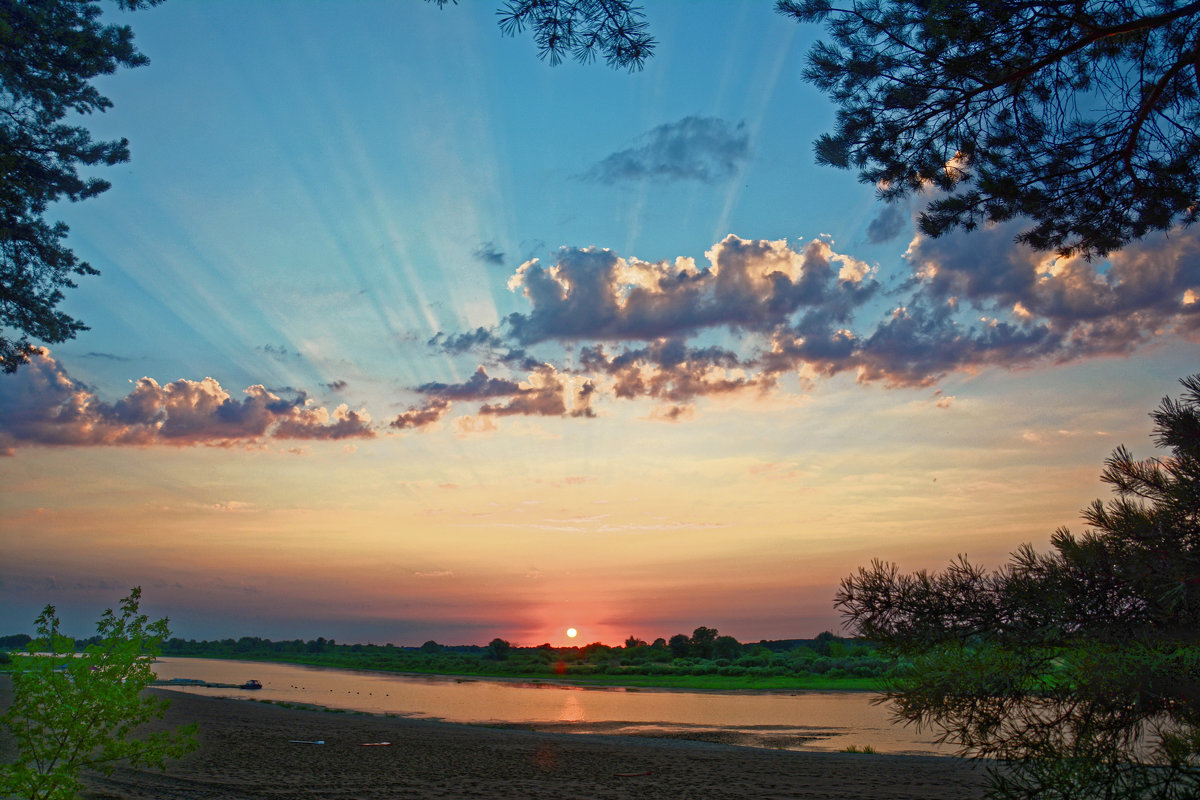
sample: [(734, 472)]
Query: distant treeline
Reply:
[(703, 653)]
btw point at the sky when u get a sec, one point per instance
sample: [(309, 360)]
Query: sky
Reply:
[(404, 334)]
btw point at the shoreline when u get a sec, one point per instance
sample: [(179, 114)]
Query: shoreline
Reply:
[(253, 749), (532, 679)]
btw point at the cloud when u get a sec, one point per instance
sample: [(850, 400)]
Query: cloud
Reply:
[(668, 370), (44, 405), (277, 351), (676, 331), (969, 301), (1089, 308), (106, 356), (706, 149), (543, 395), (479, 385), (462, 342), (428, 414), (749, 285), (319, 423), (488, 254), (887, 224)]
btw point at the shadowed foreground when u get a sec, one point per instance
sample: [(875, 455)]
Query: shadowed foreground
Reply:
[(245, 753)]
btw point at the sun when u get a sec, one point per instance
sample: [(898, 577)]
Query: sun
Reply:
[(572, 633)]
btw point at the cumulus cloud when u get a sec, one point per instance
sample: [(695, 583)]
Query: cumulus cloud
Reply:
[(425, 415), (1086, 308), (607, 328), (546, 394), (44, 405), (668, 370), (970, 300), (748, 285), (706, 149)]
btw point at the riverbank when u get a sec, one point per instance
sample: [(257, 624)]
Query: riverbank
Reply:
[(250, 750), (682, 680)]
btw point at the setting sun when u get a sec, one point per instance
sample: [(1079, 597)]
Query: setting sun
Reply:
[(572, 633)]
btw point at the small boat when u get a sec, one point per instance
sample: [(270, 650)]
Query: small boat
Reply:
[(251, 684)]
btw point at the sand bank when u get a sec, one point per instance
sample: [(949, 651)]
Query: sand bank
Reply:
[(247, 751)]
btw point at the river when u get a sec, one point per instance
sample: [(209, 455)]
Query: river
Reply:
[(828, 721)]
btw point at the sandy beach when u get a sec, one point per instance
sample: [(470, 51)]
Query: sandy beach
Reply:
[(246, 751)]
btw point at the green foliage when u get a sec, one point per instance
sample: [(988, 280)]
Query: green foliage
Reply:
[(498, 649), (680, 645), (798, 667), (52, 49), (726, 647), (1082, 117), (702, 642), (1079, 668), (72, 712)]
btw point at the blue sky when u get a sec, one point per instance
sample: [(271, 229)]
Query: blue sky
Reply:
[(402, 333)]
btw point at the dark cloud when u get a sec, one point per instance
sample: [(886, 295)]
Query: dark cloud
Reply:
[(478, 386), (488, 254), (706, 149), (277, 351), (917, 345), (668, 370), (891, 220), (544, 392), (520, 360), (336, 385), (486, 342), (44, 405), (545, 396), (428, 414), (462, 342), (106, 356), (1096, 308)]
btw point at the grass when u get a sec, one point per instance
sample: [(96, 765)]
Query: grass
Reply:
[(865, 749)]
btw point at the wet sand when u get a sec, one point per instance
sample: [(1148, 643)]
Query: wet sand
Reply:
[(246, 752)]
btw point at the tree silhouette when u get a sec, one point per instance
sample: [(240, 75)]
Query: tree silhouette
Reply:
[(1079, 668), (50, 50), (580, 29), (1081, 115)]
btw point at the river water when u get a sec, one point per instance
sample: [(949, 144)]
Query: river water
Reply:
[(828, 721)]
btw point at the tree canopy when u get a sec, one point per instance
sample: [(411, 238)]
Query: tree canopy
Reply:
[(50, 50), (617, 29), (1081, 667), (74, 712), (1082, 116)]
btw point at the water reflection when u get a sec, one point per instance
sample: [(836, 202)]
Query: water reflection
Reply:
[(571, 711), (801, 720)]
